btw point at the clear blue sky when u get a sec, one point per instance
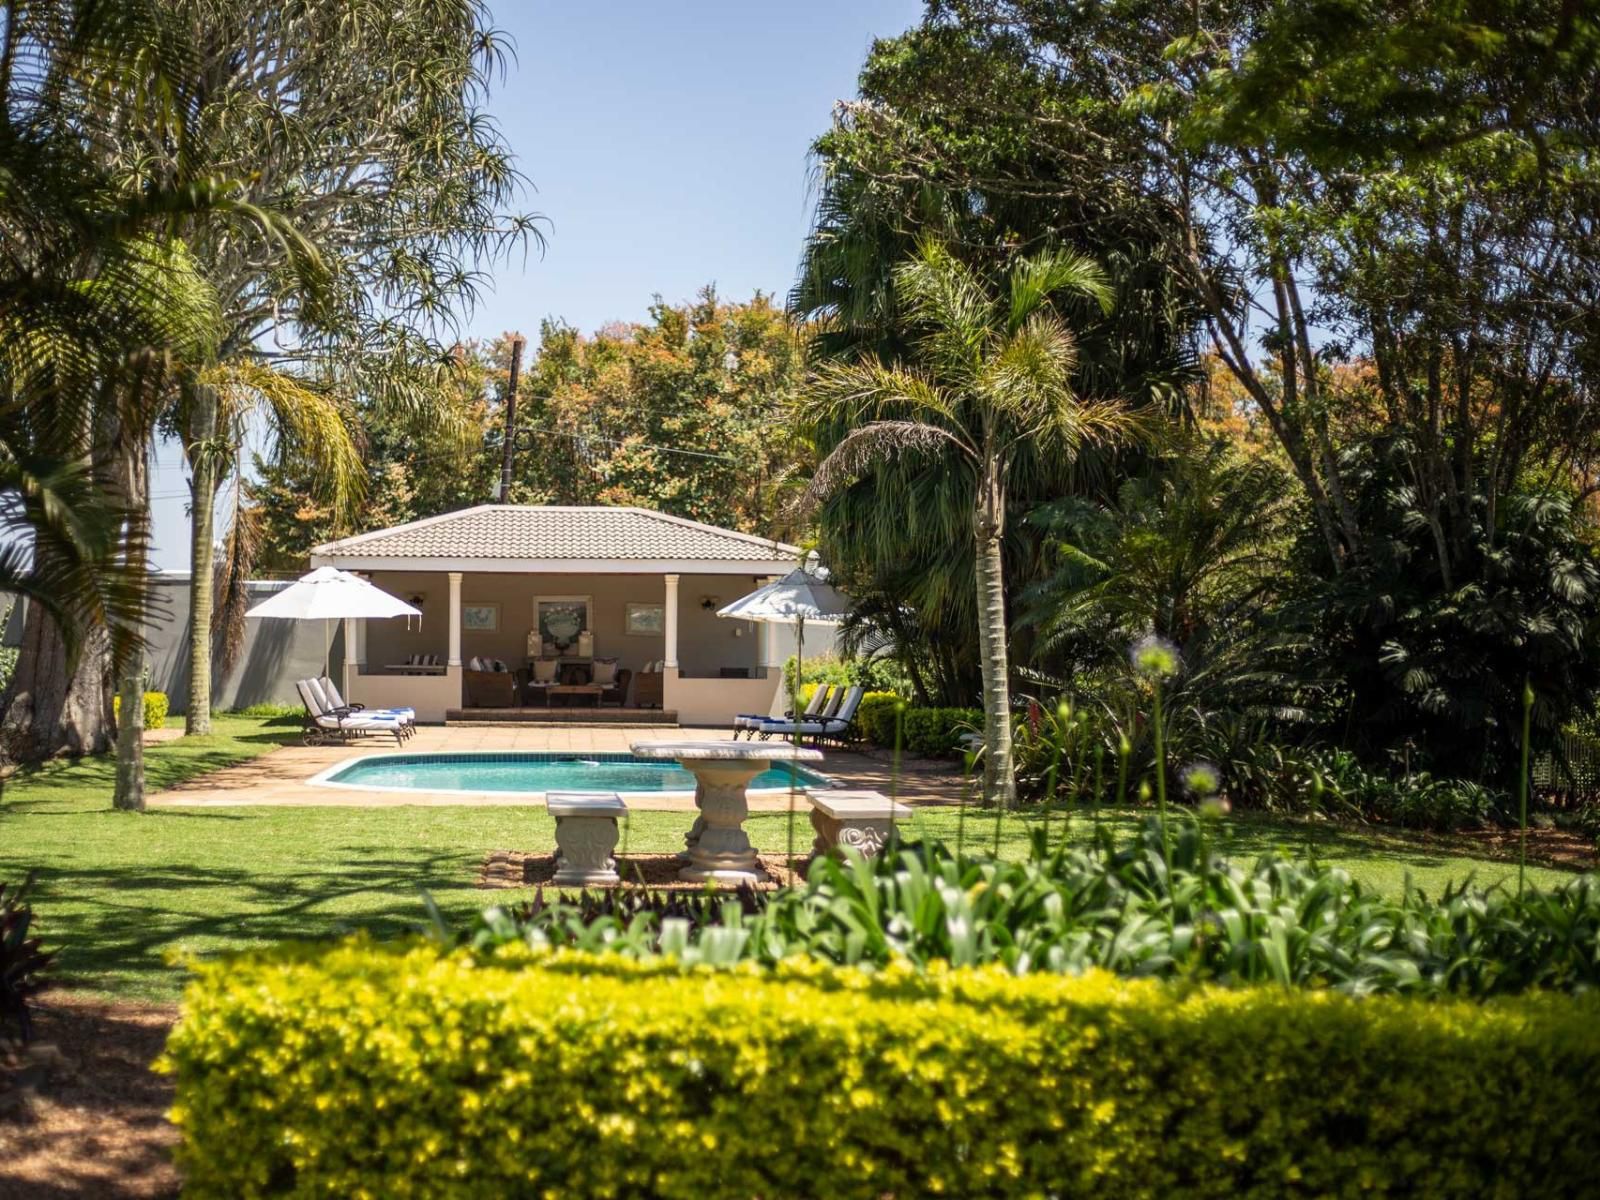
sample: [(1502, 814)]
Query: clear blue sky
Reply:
[(667, 143)]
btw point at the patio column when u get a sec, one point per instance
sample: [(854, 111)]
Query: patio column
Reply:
[(355, 640), (767, 646), (670, 625), (455, 619), (355, 647)]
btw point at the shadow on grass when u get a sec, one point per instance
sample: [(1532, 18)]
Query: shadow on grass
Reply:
[(125, 922)]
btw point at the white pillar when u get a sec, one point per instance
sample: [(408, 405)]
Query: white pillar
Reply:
[(455, 619), (767, 646), (670, 624), (355, 651)]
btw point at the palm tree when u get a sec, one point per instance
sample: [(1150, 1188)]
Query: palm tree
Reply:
[(308, 424), (989, 375)]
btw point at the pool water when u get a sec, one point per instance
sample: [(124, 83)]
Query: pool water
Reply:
[(541, 772)]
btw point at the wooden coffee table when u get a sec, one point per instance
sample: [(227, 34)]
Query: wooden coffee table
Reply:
[(592, 690)]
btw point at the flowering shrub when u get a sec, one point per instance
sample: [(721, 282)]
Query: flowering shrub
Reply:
[(368, 1071)]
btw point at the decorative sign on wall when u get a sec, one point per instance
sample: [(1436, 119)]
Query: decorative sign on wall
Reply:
[(649, 619), (560, 620), (480, 618)]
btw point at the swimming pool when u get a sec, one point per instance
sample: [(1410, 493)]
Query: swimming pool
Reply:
[(537, 772)]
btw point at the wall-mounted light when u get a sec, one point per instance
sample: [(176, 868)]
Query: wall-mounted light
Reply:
[(710, 602)]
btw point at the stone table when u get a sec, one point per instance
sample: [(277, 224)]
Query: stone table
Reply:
[(718, 847)]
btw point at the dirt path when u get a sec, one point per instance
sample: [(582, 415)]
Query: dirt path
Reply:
[(95, 1125)]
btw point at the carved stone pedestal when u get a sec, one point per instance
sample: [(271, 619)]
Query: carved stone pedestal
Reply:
[(847, 820), (586, 834), (716, 847)]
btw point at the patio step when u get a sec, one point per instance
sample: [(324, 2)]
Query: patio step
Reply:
[(560, 716)]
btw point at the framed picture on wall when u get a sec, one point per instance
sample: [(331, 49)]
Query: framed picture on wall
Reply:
[(646, 619), (480, 618), (559, 620)]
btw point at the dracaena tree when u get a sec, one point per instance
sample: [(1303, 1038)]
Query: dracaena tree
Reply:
[(105, 320), (363, 122), (989, 372)]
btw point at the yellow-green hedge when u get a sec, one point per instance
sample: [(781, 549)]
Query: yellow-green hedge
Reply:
[(358, 1071), (155, 709)]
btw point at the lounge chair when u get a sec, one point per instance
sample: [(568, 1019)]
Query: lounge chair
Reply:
[(840, 727), (335, 703), (324, 728), (751, 722)]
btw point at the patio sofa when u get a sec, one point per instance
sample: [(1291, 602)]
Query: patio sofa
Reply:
[(489, 684)]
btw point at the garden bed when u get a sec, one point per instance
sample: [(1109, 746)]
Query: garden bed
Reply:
[(658, 872)]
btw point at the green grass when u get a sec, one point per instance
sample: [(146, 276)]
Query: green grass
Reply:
[(120, 893)]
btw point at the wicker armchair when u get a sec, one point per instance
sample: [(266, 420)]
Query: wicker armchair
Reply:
[(490, 689), (617, 694)]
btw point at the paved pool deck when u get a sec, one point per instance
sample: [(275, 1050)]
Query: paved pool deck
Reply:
[(281, 776)]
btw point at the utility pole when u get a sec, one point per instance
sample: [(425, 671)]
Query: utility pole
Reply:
[(517, 343)]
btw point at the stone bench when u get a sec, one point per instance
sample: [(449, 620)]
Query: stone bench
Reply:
[(586, 834), (860, 821)]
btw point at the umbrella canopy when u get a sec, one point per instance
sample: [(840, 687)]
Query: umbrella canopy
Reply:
[(799, 596), (329, 594)]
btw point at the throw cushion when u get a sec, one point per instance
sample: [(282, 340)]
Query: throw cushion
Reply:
[(498, 664), (605, 671), (474, 663), (544, 670)]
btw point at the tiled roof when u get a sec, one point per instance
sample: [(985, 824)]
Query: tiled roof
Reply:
[(515, 531)]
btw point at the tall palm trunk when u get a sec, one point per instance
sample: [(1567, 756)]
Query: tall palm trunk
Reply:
[(129, 793), (999, 778), (202, 530)]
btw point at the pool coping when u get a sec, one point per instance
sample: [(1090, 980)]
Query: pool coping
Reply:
[(324, 778)]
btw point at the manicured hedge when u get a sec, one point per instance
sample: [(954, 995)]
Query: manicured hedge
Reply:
[(875, 717), (360, 1071), (155, 709), (937, 732)]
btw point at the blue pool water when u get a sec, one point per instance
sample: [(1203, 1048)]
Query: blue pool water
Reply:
[(541, 772)]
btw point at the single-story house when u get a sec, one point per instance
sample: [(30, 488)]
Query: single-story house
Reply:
[(563, 599)]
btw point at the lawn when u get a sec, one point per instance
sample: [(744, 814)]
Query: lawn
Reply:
[(119, 893)]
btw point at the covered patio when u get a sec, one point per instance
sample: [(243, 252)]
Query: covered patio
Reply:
[(562, 614)]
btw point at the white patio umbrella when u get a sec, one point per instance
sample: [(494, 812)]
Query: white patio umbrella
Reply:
[(328, 595), (800, 596)]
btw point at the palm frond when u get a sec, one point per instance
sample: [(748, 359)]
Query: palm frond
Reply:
[(1036, 278), (871, 445), (308, 424)]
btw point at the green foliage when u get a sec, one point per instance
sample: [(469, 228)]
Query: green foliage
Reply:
[(877, 717), (1123, 908), (155, 709), (1381, 214), (269, 710), (22, 961), (678, 413), (937, 732), (874, 674), (402, 1071), (1431, 663), (1416, 800)]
